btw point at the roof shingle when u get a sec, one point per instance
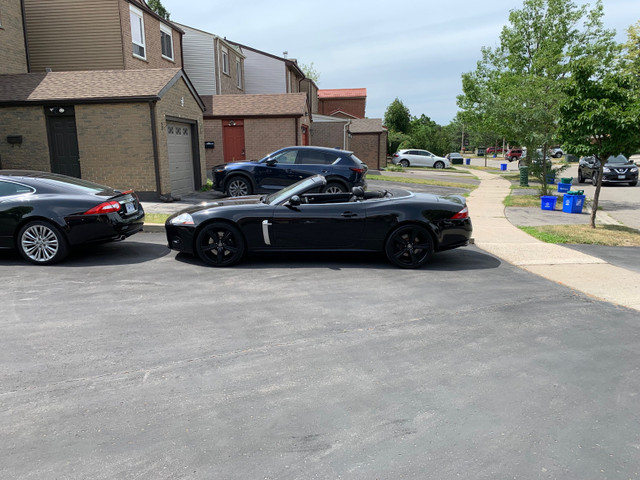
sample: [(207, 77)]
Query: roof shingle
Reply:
[(257, 105)]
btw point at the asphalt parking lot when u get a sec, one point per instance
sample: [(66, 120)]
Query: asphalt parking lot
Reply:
[(129, 361)]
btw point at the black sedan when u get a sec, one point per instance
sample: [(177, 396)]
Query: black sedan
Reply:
[(44, 214), (407, 227), (286, 166), (617, 170)]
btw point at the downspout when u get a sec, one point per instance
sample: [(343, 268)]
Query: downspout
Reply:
[(379, 137), (296, 126), (26, 43), (154, 141), (216, 47), (344, 140)]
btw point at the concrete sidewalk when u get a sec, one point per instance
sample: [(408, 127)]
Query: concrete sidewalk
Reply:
[(494, 233)]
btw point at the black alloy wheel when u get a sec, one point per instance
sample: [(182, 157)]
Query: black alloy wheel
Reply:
[(580, 177), (404, 163), (438, 165), (334, 187), (220, 245), (238, 187), (409, 246), (41, 243)]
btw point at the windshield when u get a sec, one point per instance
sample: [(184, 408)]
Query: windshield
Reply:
[(297, 188), (620, 159)]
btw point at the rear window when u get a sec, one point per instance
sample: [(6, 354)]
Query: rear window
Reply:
[(9, 188)]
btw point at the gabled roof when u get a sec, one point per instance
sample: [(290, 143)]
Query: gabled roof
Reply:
[(258, 105), (337, 113), (342, 93), (366, 125), (95, 86)]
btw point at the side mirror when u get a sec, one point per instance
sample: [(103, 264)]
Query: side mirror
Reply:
[(271, 162), (294, 201)]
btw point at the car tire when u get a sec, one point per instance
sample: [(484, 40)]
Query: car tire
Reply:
[(238, 187), (334, 187), (220, 244), (594, 179), (580, 177), (558, 155), (409, 246), (404, 163), (438, 164), (41, 243)]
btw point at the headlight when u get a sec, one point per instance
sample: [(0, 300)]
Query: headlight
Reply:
[(606, 170), (182, 219), (219, 168), (634, 169)]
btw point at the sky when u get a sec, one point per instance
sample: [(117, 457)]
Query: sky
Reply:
[(413, 50)]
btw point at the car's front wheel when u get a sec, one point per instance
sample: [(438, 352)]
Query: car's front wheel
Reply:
[(41, 243), (580, 177), (438, 165), (558, 154), (409, 246), (238, 187), (220, 245), (404, 163)]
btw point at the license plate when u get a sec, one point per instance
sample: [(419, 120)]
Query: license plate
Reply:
[(129, 208), (622, 177)]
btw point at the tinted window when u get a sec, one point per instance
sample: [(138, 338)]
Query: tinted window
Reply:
[(9, 188), (288, 157), (618, 159), (313, 157)]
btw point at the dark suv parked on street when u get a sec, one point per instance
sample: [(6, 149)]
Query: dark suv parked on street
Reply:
[(617, 170), (283, 167)]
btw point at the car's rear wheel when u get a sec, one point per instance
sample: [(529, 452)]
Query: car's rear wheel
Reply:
[(238, 187), (42, 243), (580, 177), (438, 165), (334, 187), (404, 163), (220, 245), (409, 246), (558, 155)]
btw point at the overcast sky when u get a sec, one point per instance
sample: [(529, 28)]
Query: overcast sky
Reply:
[(413, 50)]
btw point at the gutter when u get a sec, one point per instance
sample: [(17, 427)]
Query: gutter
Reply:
[(344, 139), (154, 142)]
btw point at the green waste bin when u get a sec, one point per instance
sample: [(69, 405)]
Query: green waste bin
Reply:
[(524, 176)]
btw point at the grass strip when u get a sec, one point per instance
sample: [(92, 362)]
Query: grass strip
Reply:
[(609, 235), (156, 217), (419, 181)]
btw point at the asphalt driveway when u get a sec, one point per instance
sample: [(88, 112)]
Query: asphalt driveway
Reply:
[(135, 362)]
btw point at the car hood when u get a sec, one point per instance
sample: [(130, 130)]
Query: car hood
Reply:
[(227, 202)]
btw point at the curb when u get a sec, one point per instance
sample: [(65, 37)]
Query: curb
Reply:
[(153, 228)]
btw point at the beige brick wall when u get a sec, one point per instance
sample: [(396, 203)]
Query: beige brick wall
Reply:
[(370, 148), (13, 58), (115, 145), (229, 82), (178, 103), (152, 39), (328, 134), (213, 132), (263, 136), (29, 122)]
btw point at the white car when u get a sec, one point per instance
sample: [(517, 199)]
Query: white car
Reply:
[(419, 158)]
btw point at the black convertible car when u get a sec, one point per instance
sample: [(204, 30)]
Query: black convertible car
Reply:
[(43, 214), (407, 227)]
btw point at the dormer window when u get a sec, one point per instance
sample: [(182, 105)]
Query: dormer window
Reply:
[(166, 40), (137, 32)]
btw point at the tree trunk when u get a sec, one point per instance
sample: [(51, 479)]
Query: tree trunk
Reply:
[(596, 195)]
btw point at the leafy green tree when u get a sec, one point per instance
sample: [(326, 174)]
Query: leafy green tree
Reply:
[(156, 6), (516, 89), (310, 72), (601, 115), (397, 117)]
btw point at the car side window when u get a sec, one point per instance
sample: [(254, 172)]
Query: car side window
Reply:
[(288, 157), (311, 157), (9, 188)]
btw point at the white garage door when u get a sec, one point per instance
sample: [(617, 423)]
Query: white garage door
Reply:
[(180, 158)]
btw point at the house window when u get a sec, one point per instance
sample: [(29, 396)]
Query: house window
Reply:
[(225, 61), (166, 39), (239, 72), (137, 32)]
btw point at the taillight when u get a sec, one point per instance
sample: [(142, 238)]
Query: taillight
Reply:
[(464, 213), (357, 170), (396, 155), (106, 207)]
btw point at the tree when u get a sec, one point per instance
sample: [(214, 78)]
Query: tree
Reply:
[(156, 6), (601, 115), (516, 88), (397, 117), (310, 72)]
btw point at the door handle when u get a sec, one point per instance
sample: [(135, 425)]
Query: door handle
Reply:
[(348, 214)]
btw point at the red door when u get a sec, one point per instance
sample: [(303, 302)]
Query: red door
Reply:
[(305, 135), (233, 140)]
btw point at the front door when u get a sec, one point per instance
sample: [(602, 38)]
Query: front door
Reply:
[(233, 140), (63, 141)]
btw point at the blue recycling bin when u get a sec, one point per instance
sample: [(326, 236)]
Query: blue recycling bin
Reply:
[(573, 203), (503, 167), (548, 202)]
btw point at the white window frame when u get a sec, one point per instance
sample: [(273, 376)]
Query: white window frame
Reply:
[(239, 73), (225, 61), (136, 14), (167, 31)]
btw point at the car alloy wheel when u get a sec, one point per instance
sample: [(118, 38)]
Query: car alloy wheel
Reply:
[(404, 163), (580, 177), (238, 187), (438, 165), (409, 246), (41, 243), (220, 245), (334, 188)]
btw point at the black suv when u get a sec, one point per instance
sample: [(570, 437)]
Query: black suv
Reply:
[(283, 167), (616, 170)]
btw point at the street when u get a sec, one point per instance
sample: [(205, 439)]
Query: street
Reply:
[(129, 361)]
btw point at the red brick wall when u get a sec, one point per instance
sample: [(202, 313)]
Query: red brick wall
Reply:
[(354, 106)]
